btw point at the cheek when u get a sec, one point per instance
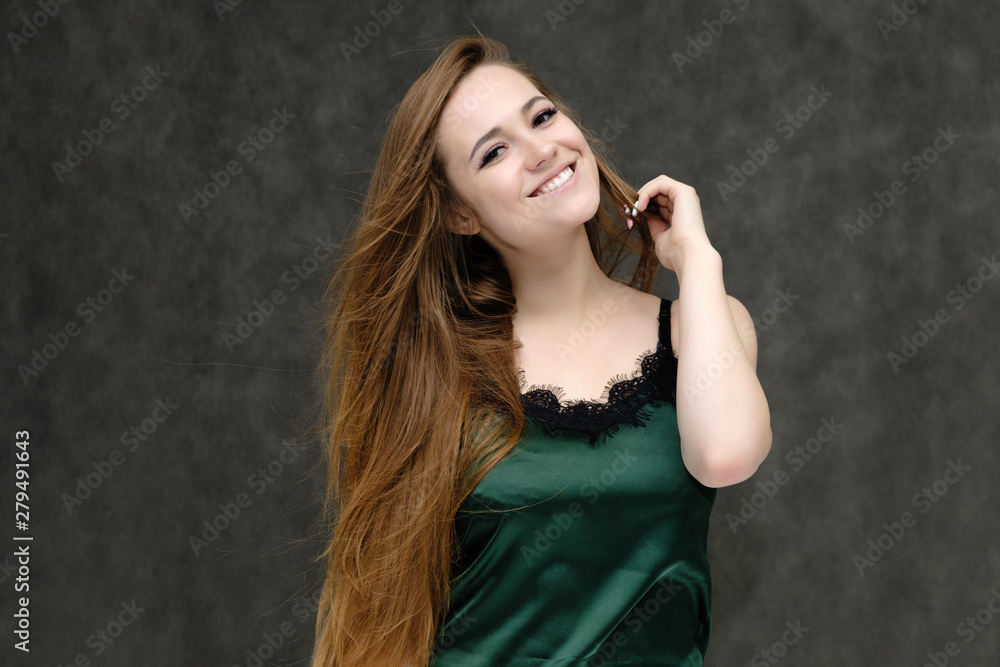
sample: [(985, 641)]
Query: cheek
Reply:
[(503, 191), (506, 211)]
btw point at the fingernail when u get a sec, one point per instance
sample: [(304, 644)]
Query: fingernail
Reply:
[(634, 212)]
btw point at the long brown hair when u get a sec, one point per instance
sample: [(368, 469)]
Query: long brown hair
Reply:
[(420, 396)]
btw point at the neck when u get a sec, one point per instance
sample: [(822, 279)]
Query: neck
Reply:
[(556, 284)]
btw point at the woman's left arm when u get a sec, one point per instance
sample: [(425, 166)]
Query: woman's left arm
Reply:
[(722, 413)]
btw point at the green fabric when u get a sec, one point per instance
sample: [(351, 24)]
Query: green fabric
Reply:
[(580, 555)]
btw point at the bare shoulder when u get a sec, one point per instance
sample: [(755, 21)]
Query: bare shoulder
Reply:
[(637, 313), (643, 310), (645, 301), (741, 318)]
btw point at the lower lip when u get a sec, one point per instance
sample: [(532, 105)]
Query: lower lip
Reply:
[(565, 186)]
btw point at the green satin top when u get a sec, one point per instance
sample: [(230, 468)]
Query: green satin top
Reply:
[(587, 544)]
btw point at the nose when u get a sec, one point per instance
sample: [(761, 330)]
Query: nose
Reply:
[(539, 151)]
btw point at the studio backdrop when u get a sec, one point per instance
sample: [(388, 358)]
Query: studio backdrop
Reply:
[(179, 177)]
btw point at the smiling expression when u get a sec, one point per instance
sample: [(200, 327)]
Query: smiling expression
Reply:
[(510, 154)]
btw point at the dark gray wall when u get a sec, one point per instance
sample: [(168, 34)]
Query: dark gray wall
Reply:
[(165, 335)]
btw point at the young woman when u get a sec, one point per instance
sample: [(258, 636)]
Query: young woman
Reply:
[(523, 447)]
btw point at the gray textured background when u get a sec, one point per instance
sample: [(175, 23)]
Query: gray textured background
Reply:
[(239, 407)]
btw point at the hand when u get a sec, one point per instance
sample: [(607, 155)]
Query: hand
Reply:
[(678, 229)]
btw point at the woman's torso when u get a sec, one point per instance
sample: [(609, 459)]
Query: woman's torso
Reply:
[(587, 544)]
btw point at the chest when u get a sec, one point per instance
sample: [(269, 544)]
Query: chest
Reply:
[(585, 360)]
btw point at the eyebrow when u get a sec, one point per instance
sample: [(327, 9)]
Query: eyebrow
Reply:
[(496, 130)]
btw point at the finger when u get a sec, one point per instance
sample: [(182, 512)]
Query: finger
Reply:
[(646, 202), (655, 194), (643, 196), (638, 205)]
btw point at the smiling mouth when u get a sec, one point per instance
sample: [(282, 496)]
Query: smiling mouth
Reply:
[(555, 183)]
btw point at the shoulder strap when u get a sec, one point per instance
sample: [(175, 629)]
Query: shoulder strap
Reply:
[(664, 335)]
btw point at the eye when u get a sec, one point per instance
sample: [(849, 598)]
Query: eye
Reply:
[(490, 156), (545, 115), (540, 119)]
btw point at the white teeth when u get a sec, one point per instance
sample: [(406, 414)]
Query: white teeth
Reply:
[(557, 181)]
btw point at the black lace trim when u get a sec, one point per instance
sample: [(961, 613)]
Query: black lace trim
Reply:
[(626, 400)]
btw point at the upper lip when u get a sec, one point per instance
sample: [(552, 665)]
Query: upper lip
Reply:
[(551, 176)]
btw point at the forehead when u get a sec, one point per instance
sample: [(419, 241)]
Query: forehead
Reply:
[(487, 96)]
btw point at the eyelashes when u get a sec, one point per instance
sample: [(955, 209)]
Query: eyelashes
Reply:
[(491, 153)]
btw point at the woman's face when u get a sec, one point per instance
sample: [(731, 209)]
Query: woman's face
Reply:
[(503, 144)]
